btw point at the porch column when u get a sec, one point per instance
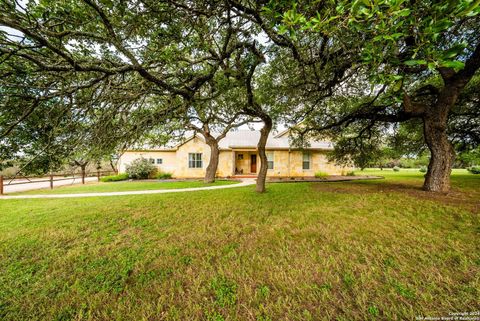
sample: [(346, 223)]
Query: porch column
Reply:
[(233, 163)]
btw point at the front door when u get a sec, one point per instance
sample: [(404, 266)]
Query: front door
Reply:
[(253, 163)]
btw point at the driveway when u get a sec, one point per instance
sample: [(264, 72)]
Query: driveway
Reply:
[(41, 185)]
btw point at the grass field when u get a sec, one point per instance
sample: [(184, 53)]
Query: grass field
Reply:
[(372, 250), (124, 186)]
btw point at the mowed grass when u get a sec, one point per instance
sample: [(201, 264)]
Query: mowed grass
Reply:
[(125, 186), (372, 250)]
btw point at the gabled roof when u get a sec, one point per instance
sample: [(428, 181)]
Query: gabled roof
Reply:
[(283, 133), (247, 139)]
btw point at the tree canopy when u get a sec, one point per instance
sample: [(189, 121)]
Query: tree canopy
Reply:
[(398, 61), (365, 73)]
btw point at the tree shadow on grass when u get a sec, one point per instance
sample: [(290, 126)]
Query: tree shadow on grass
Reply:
[(468, 199)]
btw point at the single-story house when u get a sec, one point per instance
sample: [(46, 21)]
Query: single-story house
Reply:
[(238, 157)]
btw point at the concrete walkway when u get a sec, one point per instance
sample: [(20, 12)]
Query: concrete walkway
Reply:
[(245, 182)]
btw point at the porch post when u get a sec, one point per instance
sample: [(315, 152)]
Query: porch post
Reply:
[(234, 160)]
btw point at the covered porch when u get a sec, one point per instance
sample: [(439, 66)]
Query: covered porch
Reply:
[(246, 162)]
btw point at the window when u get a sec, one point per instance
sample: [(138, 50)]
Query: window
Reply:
[(269, 160), (240, 156), (159, 161), (152, 161), (306, 160), (194, 160)]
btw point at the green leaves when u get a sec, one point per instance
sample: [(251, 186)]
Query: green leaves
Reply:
[(468, 8), (403, 13), (420, 32), (441, 25), (415, 62), (455, 64), (454, 51), (282, 29), (393, 37), (292, 17)]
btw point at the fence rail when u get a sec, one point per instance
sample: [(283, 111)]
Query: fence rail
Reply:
[(12, 181)]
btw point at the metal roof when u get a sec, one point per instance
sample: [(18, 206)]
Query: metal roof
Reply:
[(247, 139)]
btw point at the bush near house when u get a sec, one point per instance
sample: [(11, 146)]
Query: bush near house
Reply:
[(474, 169), (321, 174), (162, 175), (114, 178), (423, 169), (396, 169), (141, 168)]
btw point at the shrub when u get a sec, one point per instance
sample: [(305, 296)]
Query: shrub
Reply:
[(141, 168), (321, 174), (162, 175), (351, 173), (474, 169), (114, 178), (423, 169), (396, 169)]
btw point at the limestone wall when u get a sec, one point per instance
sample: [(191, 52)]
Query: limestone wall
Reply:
[(291, 164), (286, 163), (169, 160), (225, 163), (195, 145)]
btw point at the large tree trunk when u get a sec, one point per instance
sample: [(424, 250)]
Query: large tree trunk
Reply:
[(435, 120), (213, 164), (262, 174), (442, 153)]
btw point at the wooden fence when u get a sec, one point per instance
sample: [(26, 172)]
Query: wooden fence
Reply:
[(10, 181)]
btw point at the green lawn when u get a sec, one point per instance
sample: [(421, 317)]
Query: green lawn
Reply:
[(125, 186), (372, 250)]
